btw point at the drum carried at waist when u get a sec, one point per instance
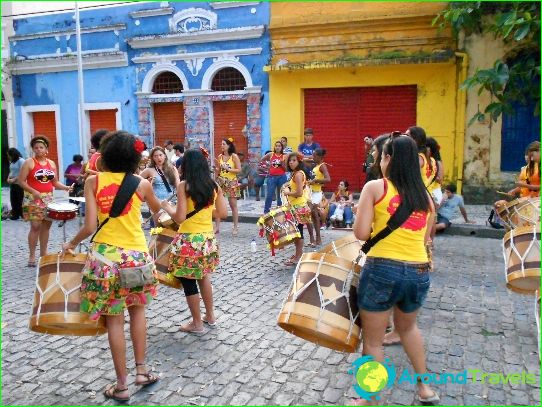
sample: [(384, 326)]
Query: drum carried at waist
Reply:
[(165, 221), (280, 227), (521, 250), (348, 248), (61, 210), (159, 249), (520, 212), (321, 306), (57, 298)]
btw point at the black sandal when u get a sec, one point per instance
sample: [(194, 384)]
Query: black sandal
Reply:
[(112, 390), (151, 379)]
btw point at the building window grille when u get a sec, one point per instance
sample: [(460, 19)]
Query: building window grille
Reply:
[(228, 79), (167, 82)]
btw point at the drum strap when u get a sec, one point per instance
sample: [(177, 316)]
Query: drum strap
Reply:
[(126, 190), (164, 179), (394, 222)]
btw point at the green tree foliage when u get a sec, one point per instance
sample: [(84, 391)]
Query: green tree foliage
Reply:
[(516, 78)]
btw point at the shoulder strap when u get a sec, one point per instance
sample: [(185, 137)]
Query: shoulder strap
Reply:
[(164, 179), (126, 190), (395, 221)]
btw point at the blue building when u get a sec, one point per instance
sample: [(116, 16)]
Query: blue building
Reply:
[(164, 71)]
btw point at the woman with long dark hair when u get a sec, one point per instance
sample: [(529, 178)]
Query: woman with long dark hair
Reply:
[(229, 166), (293, 191), (530, 183), (38, 178), (395, 275), (428, 165), (194, 250), (120, 243), (16, 193)]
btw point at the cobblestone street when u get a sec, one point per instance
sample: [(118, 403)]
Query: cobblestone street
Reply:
[(470, 321)]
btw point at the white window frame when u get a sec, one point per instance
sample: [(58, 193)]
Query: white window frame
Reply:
[(27, 123)]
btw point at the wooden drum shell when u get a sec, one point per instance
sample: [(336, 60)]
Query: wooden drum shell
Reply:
[(522, 276), (328, 326), (158, 249), (52, 317)]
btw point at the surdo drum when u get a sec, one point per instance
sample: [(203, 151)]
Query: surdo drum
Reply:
[(321, 306), (159, 249), (521, 250), (520, 212), (57, 298), (348, 248), (61, 211), (280, 227), (166, 222)]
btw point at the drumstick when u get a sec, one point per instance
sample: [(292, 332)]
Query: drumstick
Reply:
[(504, 193)]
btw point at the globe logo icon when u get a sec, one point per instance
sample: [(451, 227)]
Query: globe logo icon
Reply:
[(372, 377)]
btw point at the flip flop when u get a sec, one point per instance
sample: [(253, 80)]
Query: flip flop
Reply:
[(310, 244), (111, 392), (290, 262), (31, 264), (204, 319), (429, 400)]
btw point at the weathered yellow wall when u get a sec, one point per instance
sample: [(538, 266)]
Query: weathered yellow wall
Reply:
[(436, 107)]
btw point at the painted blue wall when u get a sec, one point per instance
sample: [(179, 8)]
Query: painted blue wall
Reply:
[(120, 84)]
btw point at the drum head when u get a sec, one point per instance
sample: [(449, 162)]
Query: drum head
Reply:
[(62, 207)]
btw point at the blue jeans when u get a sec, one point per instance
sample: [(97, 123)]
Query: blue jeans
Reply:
[(348, 214), (385, 283), (274, 183)]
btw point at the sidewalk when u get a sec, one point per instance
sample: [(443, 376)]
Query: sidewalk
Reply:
[(250, 210)]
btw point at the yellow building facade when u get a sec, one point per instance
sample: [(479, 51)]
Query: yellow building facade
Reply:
[(368, 46)]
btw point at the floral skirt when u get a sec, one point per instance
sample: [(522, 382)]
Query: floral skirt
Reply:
[(302, 214), (36, 209), (101, 293), (230, 187), (193, 255)]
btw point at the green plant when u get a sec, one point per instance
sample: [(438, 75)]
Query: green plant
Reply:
[(515, 78)]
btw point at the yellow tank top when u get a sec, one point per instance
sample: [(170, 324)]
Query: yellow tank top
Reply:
[(428, 170), (405, 243), (297, 201), (318, 175), (201, 222), (124, 231), (230, 164)]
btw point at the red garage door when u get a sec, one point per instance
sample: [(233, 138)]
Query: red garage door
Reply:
[(45, 125), (168, 123), (230, 117), (102, 119), (341, 117)]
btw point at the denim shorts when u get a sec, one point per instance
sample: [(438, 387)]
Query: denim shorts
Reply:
[(386, 283)]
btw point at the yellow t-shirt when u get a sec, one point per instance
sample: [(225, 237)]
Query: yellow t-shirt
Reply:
[(406, 243), (124, 231), (318, 175), (428, 170), (230, 164), (201, 222), (297, 201)]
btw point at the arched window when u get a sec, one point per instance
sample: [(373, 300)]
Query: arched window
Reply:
[(228, 79), (167, 82)]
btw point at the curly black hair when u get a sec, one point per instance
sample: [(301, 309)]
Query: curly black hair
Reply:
[(40, 139), (119, 153), (97, 137)]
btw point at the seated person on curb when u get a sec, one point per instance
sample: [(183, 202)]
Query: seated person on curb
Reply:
[(448, 210)]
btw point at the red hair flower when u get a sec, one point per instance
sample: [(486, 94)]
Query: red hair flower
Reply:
[(139, 146)]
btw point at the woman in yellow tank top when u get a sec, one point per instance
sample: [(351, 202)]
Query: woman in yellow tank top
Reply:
[(229, 165), (321, 177), (119, 243), (293, 190), (395, 275), (194, 250)]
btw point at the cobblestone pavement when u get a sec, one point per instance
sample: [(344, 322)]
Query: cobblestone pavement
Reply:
[(470, 320)]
